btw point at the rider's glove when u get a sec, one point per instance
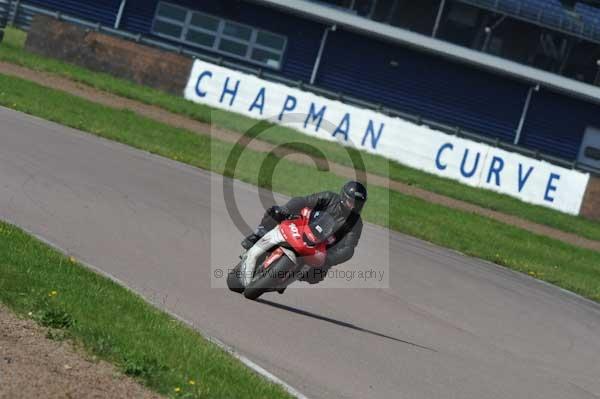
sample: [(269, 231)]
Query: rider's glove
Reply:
[(278, 213)]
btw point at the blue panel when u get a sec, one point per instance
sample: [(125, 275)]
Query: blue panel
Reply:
[(422, 84), (556, 123), (303, 36), (138, 15), (103, 11)]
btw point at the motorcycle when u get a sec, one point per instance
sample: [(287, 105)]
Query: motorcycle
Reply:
[(286, 253)]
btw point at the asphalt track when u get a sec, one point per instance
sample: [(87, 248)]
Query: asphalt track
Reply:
[(448, 326)]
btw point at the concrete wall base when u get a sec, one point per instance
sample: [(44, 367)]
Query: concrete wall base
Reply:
[(125, 59)]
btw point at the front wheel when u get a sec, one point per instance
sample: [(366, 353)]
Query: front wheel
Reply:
[(275, 277), (233, 280)]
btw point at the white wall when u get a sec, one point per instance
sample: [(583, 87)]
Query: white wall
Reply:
[(420, 147)]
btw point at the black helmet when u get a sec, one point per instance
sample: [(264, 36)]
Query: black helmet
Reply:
[(321, 226), (353, 196)]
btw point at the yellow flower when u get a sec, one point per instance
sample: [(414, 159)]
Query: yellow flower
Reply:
[(177, 389), (52, 294), (192, 382), (72, 259)]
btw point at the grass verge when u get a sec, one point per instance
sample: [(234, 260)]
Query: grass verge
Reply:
[(570, 267), (12, 51), (116, 325)]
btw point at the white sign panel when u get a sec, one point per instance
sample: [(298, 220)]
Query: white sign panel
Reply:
[(420, 147)]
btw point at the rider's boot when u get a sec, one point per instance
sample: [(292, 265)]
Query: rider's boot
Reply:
[(249, 241)]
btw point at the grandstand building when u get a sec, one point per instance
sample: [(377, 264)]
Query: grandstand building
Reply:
[(522, 73)]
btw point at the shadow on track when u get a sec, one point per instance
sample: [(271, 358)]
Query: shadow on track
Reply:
[(339, 323)]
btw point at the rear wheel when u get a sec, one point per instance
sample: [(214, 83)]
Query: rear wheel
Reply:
[(274, 278)]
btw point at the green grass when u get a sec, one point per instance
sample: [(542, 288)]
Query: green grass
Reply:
[(12, 51), (114, 324), (570, 267)]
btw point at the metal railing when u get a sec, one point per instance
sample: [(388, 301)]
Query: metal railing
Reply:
[(568, 24), (21, 14)]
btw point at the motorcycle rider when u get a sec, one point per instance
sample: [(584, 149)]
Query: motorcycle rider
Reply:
[(344, 207), (320, 230)]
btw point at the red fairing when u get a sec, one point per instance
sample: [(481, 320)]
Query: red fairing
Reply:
[(273, 257), (293, 230)]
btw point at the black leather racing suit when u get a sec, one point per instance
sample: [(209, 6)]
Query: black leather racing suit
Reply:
[(347, 232)]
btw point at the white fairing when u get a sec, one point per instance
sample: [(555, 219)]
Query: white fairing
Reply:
[(268, 241)]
